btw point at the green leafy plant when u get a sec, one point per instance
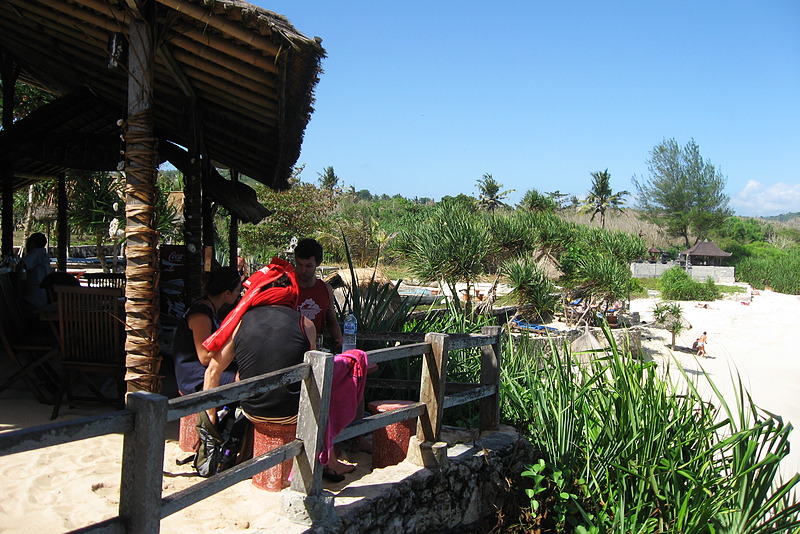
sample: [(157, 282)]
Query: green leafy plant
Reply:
[(531, 287), (670, 316), (642, 451)]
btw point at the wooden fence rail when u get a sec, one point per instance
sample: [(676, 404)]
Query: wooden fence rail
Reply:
[(143, 425)]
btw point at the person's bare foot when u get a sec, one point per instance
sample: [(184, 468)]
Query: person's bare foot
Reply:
[(340, 468)]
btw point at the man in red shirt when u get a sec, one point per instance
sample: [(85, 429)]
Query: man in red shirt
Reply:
[(316, 296)]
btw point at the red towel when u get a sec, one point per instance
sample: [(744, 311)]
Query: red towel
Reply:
[(347, 390), (256, 295)]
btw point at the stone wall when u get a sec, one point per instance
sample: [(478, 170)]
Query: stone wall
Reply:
[(720, 275), (453, 498)]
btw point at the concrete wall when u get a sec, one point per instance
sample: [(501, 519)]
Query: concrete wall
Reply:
[(720, 275)]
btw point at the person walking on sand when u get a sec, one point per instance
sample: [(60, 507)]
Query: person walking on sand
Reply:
[(701, 345)]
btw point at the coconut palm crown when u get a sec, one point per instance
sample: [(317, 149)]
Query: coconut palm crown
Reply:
[(489, 195), (601, 197)]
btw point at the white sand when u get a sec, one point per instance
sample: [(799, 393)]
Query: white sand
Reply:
[(755, 342), (63, 488)]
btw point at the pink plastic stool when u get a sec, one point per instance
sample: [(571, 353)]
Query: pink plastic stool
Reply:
[(187, 434), (267, 437), (390, 444)]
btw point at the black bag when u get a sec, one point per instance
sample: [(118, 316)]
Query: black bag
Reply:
[(219, 445)]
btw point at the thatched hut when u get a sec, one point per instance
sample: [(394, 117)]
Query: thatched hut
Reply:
[(202, 83)]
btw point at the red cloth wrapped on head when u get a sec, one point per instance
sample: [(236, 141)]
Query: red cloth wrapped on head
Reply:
[(256, 295)]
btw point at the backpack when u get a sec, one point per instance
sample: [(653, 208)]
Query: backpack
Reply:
[(219, 445)]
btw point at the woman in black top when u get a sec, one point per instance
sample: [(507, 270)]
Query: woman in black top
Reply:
[(200, 321)]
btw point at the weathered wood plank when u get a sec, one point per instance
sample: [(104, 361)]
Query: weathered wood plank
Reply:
[(202, 400), (471, 395), (38, 437), (210, 486), (113, 525), (398, 353), (374, 422)]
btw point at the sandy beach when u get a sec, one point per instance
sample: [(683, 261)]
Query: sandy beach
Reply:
[(59, 489)]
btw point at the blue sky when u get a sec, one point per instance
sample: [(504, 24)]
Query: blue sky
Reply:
[(423, 98)]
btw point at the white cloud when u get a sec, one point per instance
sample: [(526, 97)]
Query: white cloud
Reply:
[(756, 199)]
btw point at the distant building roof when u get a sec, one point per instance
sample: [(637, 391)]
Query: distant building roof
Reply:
[(654, 250), (706, 248)]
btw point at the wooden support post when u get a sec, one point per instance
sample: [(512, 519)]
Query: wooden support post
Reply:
[(193, 212), (306, 502), (489, 407), (424, 448), (142, 463), (209, 232), (8, 73), (143, 359), (432, 382), (315, 401), (63, 224), (233, 235)]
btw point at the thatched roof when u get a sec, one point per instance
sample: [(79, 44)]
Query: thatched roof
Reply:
[(244, 71), (708, 249), (547, 263)]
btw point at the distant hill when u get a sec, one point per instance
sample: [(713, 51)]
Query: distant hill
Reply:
[(783, 217)]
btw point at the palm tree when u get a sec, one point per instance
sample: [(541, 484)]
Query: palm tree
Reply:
[(601, 198), (490, 196)]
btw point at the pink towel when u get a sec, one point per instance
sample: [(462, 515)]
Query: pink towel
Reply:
[(347, 390)]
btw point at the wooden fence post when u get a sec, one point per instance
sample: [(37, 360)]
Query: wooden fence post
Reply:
[(489, 407), (142, 463), (424, 448), (306, 502)]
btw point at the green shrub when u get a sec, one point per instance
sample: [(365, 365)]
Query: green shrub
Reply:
[(780, 271), (675, 284)]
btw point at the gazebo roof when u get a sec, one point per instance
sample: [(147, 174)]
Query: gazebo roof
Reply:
[(706, 248), (244, 71)]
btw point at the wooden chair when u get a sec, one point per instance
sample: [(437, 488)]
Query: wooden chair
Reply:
[(92, 337), (105, 280), (31, 361)]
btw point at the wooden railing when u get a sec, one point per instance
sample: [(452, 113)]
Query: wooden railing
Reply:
[(143, 425)]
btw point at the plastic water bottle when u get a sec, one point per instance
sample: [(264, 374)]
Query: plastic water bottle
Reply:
[(350, 332)]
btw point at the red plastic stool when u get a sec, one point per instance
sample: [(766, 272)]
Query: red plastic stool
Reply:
[(390, 444), (267, 437), (187, 435)]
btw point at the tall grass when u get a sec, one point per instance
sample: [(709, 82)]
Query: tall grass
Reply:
[(629, 448)]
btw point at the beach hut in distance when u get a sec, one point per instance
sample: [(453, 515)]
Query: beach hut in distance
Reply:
[(654, 254), (704, 253)]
